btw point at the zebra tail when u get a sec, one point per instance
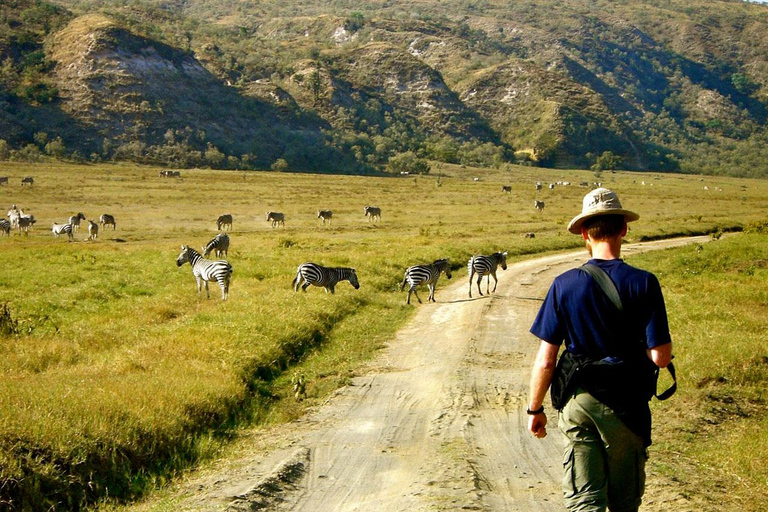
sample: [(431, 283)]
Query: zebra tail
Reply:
[(405, 280)]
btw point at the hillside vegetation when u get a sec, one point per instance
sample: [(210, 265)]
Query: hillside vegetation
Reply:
[(338, 86)]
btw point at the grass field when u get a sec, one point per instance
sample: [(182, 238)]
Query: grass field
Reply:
[(116, 374)]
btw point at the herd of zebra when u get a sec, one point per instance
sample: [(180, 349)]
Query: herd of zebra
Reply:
[(311, 274), (17, 219), (277, 219)]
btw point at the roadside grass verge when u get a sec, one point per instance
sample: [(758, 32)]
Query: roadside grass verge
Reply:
[(710, 438), (115, 375)]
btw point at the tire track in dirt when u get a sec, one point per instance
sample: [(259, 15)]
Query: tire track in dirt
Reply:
[(438, 423)]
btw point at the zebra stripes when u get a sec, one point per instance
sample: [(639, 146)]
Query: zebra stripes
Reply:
[(63, 229), (486, 266), (327, 277), (75, 220), (5, 226), (220, 244), (93, 230), (425, 274), (206, 270)]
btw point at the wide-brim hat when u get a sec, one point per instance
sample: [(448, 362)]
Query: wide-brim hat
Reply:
[(600, 201)]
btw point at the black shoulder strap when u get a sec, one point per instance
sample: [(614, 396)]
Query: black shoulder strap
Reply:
[(605, 283)]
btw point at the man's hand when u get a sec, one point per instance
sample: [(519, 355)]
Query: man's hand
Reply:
[(537, 424)]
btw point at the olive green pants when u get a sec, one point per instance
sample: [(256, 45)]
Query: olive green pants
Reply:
[(604, 461)]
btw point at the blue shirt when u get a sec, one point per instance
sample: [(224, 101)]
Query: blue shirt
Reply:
[(577, 312)]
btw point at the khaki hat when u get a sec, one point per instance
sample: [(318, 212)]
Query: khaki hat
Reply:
[(600, 201)]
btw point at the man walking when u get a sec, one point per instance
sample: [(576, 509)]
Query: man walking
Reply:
[(613, 322)]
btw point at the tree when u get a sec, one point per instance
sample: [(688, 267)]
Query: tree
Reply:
[(280, 165), (408, 162), (606, 162), (5, 151)]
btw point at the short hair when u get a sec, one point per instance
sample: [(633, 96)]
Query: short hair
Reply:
[(603, 227)]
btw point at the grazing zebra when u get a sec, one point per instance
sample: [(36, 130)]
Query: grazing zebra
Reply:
[(425, 274), (5, 226), (206, 270), (3, 180), (75, 221), (219, 243), (170, 174), (539, 205), (325, 215), (538, 186), (276, 218), (486, 266), (373, 213), (60, 229), (27, 180), (327, 277), (506, 188), (93, 230), (106, 219), (224, 221), (25, 222)]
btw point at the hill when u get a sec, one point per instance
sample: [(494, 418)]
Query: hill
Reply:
[(345, 86)]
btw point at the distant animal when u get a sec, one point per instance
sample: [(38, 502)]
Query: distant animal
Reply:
[(506, 188), (206, 270), (373, 213), (106, 220), (63, 229), (170, 174), (75, 221), (425, 274), (299, 387), (25, 222), (27, 180), (4, 180), (5, 226), (93, 230), (219, 244), (538, 185), (276, 219), (486, 266), (224, 221), (551, 186), (325, 215), (327, 277), (539, 205), (530, 235)]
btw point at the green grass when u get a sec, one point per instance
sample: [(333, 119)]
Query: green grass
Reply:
[(710, 437), (121, 376)]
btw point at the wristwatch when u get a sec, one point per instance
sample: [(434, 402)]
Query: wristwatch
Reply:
[(537, 411)]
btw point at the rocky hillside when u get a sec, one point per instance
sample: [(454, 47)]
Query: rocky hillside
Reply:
[(344, 87)]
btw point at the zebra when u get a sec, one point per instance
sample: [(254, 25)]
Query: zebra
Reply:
[(327, 277), (276, 218), (93, 230), (373, 213), (60, 229), (5, 226), (325, 215), (219, 243), (106, 219), (27, 180), (539, 205), (206, 270), (24, 222), (506, 188), (3, 180), (224, 221), (486, 266), (425, 274), (75, 221), (538, 186)]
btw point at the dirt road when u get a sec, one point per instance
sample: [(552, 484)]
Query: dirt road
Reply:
[(438, 421)]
